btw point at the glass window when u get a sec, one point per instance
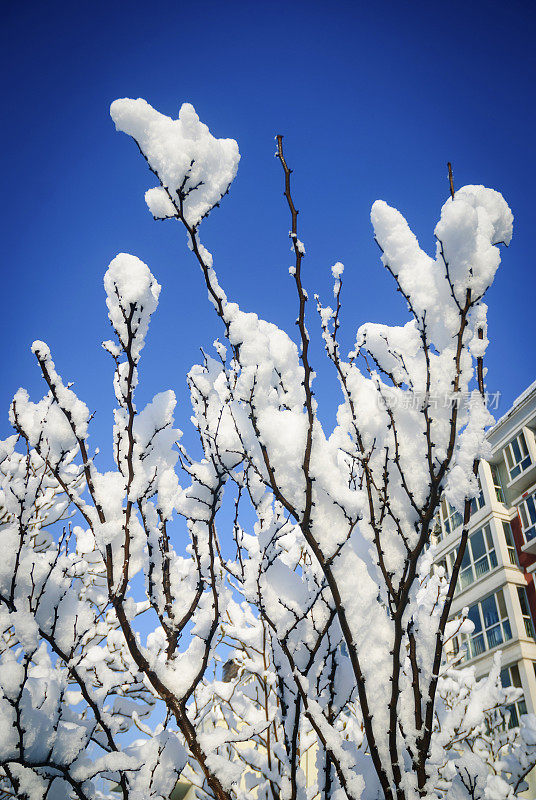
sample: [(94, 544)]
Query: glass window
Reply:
[(492, 627), (466, 570), (510, 677), (477, 544), (474, 616), (514, 711), (517, 456), (479, 558), (510, 544), (527, 514), (450, 518), (490, 611), (477, 502), (525, 611), (497, 484), (502, 604)]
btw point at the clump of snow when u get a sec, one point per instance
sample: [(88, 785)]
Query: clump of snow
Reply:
[(77, 410), (159, 203), (468, 232), (403, 256), (195, 168), (471, 225), (337, 270), (297, 245), (132, 292), (154, 457)]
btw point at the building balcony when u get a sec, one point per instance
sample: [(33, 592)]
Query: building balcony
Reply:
[(530, 547), (523, 482)]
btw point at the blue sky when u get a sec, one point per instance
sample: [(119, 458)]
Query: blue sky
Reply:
[(373, 100)]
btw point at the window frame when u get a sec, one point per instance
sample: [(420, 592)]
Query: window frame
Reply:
[(528, 517), (510, 545), (478, 502), (525, 612), (518, 708), (497, 483), (450, 519), (517, 467), (489, 557), (467, 642)]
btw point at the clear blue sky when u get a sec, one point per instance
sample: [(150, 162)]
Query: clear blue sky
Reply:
[(373, 99)]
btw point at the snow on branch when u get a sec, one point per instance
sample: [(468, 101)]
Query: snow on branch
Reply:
[(298, 556), (194, 168)]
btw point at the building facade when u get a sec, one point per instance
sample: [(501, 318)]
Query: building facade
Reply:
[(496, 580)]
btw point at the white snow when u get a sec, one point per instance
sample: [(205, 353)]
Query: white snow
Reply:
[(189, 162)]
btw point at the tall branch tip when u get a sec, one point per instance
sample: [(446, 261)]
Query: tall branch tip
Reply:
[(451, 179)]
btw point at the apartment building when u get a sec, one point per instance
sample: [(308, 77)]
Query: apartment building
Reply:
[(496, 580)]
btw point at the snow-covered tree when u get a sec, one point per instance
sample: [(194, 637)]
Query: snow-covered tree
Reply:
[(326, 603)]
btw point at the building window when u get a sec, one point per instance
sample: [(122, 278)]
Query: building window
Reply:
[(449, 517), (478, 559), (492, 627), (527, 513), (477, 502), (497, 484), (517, 456), (510, 544), (510, 677), (525, 611)]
